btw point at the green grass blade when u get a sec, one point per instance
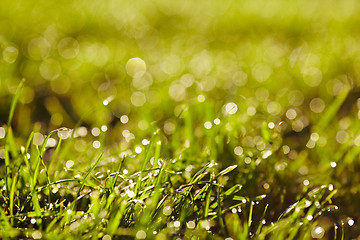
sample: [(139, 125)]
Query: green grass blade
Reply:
[(12, 194), (331, 110), (207, 200), (226, 171), (11, 114), (118, 172), (14, 102), (219, 214), (144, 163), (89, 172), (250, 213)]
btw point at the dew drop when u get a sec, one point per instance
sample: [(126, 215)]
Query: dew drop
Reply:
[(95, 131), (317, 232), (138, 149), (207, 125), (104, 128), (238, 150), (2, 132), (216, 121), (124, 119), (177, 224), (191, 224), (69, 163), (141, 234), (306, 182), (96, 144)]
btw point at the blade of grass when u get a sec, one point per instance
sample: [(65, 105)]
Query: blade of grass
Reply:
[(26, 160), (56, 152), (261, 221), (12, 194), (207, 200), (11, 114), (118, 172), (144, 163), (332, 110), (250, 213), (115, 221), (89, 172), (221, 220)]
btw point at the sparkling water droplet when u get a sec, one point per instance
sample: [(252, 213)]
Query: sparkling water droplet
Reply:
[(64, 133)]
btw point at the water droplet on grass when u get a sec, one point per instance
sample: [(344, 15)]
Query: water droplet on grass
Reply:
[(247, 160), (138, 149), (317, 232), (271, 125), (2, 132), (96, 144), (124, 119), (191, 224), (51, 142), (69, 163), (145, 142), (207, 125), (38, 139), (130, 193), (141, 234), (167, 210), (95, 131), (266, 154), (177, 224), (106, 237), (80, 132), (36, 234), (238, 150), (104, 128)]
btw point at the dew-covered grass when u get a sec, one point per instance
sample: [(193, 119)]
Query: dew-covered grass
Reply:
[(179, 120)]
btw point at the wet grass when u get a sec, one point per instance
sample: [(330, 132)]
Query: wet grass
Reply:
[(197, 194), (135, 121)]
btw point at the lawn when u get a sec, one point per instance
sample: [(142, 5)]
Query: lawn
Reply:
[(179, 119)]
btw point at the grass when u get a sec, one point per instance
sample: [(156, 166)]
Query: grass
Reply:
[(135, 121), (166, 198)]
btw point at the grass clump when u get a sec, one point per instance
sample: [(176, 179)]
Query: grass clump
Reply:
[(197, 194)]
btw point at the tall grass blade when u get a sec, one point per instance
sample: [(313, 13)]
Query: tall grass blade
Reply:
[(88, 173)]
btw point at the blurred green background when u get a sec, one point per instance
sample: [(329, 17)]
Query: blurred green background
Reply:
[(282, 63), (73, 55)]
